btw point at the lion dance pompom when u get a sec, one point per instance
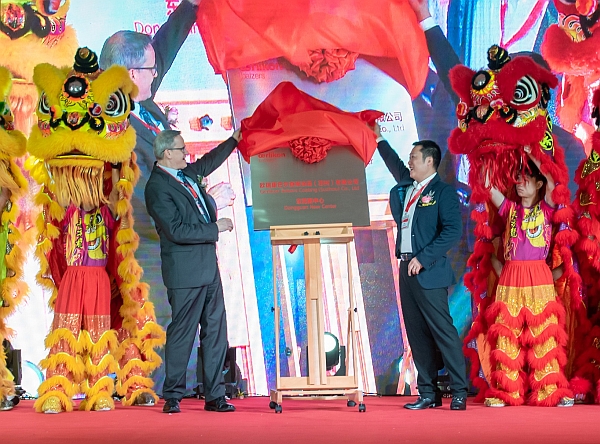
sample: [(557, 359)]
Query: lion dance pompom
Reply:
[(515, 346), (12, 185), (82, 155)]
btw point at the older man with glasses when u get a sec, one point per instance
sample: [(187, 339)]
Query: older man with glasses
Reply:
[(188, 228)]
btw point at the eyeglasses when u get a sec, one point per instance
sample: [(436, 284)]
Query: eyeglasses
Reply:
[(153, 69), (182, 148)]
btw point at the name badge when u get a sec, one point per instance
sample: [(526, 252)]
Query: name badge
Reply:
[(404, 221)]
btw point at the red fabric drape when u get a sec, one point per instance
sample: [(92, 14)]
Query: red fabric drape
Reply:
[(288, 113), (237, 33)]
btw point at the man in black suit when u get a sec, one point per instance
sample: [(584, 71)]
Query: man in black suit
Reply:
[(188, 230), (429, 223)]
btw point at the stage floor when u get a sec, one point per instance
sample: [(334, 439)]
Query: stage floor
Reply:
[(312, 421)]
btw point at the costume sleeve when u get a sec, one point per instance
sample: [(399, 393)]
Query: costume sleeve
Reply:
[(211, 160), (168, 39), (162, 208), (393, 162), (548, 210), (450, 222), (443, 57), (505, 208)]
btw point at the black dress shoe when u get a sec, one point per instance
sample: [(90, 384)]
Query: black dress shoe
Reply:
[(171, 406), (219, 405), (458, 403), (424, 403)]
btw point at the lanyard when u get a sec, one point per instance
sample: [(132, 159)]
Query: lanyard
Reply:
[(155, 129), (191, 189), (414, 198)]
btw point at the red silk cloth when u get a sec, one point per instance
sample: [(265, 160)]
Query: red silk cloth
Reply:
[(238, 33), (288, 114)]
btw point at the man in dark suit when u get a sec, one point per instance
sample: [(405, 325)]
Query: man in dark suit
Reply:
[(429, 224), (188, 230)]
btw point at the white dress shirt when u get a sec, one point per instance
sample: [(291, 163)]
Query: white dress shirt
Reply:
[(407, 216)]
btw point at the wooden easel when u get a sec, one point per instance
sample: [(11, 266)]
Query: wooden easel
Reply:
[(317, 383)]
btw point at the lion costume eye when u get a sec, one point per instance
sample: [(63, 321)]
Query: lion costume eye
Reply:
[(527, 92), (117, 104), (480, 80), (43, 106)]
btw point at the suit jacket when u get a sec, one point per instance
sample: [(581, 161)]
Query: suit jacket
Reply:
[(436, 225), (166, 43), (187, 240)]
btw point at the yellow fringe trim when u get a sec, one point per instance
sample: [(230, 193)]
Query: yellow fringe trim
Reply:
[(73, 363), (107, 342), (65, 401), (123, 387), (106, 365), (105, 383), (7, 388), (144, 366), (127, 401), (63, 334), (70, 388)]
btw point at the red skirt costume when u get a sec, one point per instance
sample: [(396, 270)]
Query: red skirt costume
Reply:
[(526, 333), (82, 314)]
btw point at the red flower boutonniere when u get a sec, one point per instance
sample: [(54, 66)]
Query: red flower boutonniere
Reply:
[(428, 199)]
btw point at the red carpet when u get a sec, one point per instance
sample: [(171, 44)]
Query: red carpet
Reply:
[(302, 421)]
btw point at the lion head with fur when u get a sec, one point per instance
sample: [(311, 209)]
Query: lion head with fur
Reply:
[(33, 32), (572, 47), (83, 124)]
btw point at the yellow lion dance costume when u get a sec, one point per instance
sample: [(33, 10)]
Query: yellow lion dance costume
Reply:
[(82, 155), (13, 186), (33, 32)]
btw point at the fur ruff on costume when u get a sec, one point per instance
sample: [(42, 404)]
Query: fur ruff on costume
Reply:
[(501, 110), (572, 47), (586, 378), (12, 286), (83, 127)]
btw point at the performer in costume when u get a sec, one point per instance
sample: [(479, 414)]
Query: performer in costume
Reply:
[(82, 155), (526, 289), (501, 110), (586, 380), (571, 48), (13, 185)]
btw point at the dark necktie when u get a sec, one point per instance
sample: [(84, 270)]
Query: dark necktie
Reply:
[(196, 196), (151, 122)]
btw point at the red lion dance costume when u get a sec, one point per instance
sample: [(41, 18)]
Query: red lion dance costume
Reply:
[(519, 333), (572, 47), (586, 381), (13, 185), (102, 321)]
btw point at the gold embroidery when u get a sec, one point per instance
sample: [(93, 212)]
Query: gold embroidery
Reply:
[(536, 331), (550, 367), (546, 391), (511, 349), (70, 321), (591, 164), (516, 298), (96, 325)]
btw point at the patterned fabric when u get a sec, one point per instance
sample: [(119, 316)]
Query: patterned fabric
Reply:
[(528, 230)]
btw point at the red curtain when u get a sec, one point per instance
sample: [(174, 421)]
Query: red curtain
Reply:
[(237, 33)]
